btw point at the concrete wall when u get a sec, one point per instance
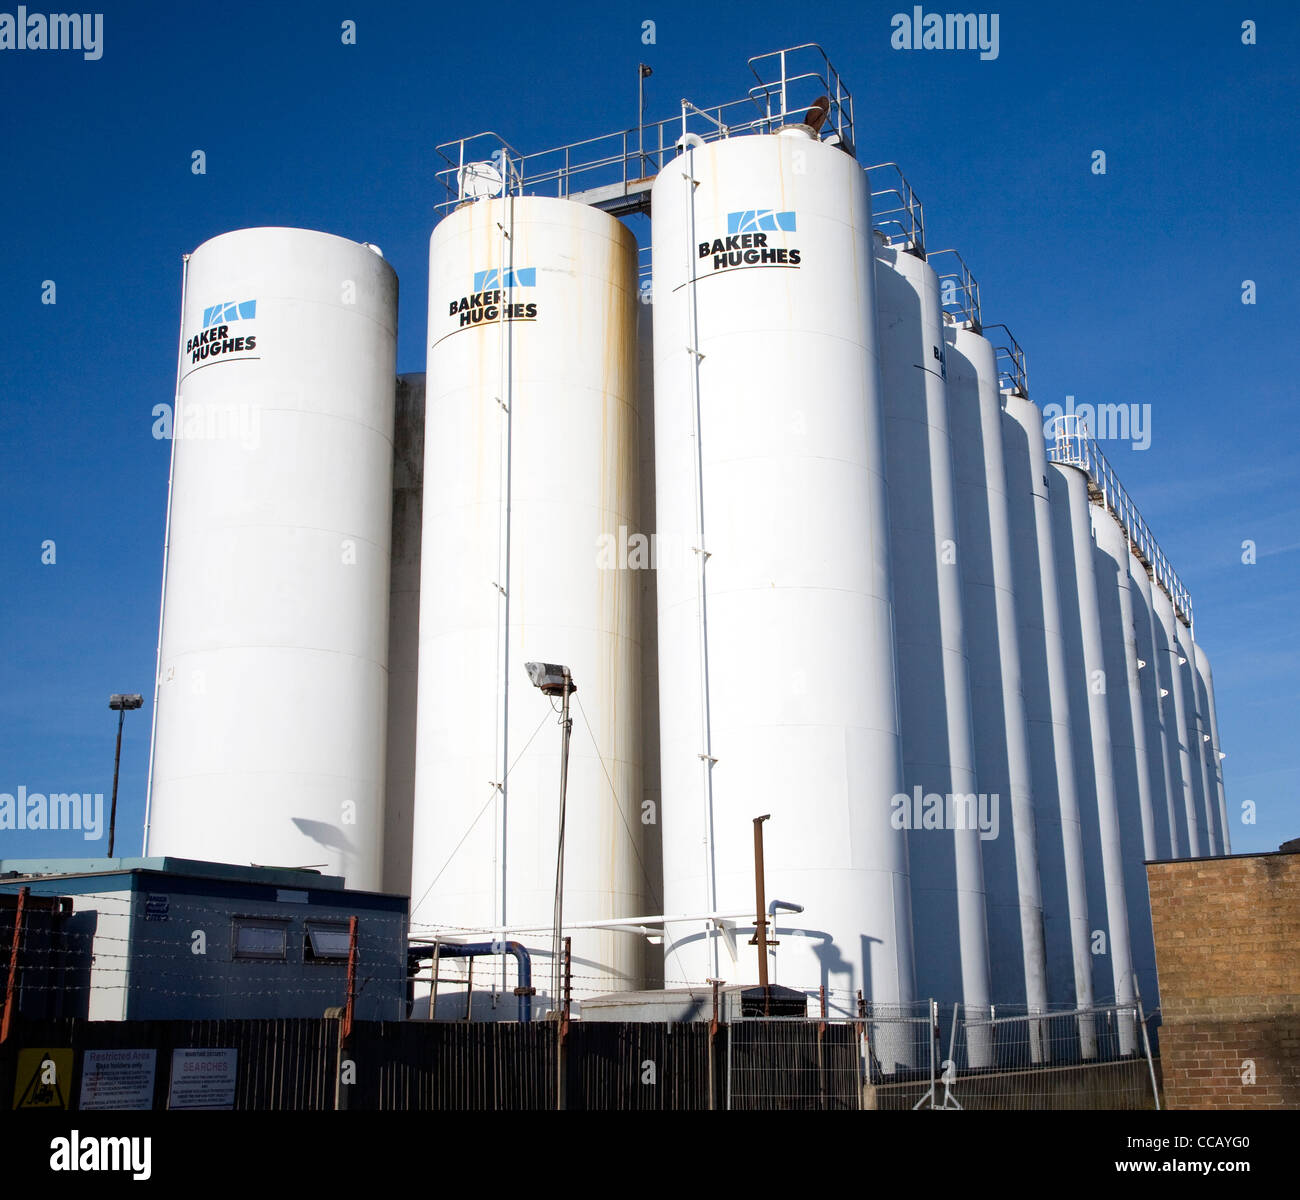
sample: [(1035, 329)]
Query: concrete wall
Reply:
[(1226, 934)]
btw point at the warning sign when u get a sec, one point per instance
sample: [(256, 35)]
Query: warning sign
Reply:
[(43, 1078), (202, 1079), (117, 1079)]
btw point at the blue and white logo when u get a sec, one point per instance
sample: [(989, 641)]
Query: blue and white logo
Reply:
[(760, 220), (223, 314), (494, 277)]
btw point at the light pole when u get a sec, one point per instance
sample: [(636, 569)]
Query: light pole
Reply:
[(121, 705), (555, 680), (643, 73)]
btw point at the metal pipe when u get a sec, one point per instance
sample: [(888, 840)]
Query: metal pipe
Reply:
[(760, 906), (349, 1010), (11, 983), (417, 953), (117, 762)]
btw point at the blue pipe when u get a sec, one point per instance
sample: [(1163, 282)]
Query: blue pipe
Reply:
[(524, 991)]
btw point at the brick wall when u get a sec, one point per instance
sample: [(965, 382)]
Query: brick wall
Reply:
[(1227, 935)]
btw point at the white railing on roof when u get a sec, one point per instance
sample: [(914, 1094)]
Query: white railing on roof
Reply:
[(803, 74), (1071, 444)]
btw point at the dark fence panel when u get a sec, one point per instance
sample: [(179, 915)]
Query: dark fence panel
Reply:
[(441, 1066), (613, 1066), (280, 1064), (793, 1065)]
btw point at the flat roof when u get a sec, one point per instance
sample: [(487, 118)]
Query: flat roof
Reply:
[(14, 870)]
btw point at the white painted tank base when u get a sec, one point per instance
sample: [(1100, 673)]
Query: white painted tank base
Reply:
[(950, 925), (1046, 686), (1010, 858), (775, 641), (273, 680)]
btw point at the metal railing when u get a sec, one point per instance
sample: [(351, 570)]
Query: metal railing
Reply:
[(1071, 444), (902, 219), (959, 286), (623, 162), (927, 1055), (1013, 367)]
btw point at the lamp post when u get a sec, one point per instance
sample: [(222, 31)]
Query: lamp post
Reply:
[(643, 73), (554, 680), (121, 705)]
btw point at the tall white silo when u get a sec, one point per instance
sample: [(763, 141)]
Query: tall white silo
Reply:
[(403, 630), (776, 672), (1169, 656), (1133, 800), (1205, 800), (1103, 845), (269, 734), (1213, 757), (1154, 701), (530, 474), (1010, 859), (1067, 930), (948, 900)]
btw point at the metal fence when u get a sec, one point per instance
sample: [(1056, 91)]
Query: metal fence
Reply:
[(932, 1056), (926, 1057)]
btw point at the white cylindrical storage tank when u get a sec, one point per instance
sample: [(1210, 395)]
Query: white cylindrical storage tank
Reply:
[(273, 659), (948, 901), (1133, 801), (1214, 760), (1103, 845), (403, 631), (530, 483), (776, 673), (1154, 700), (1047, 700), (1205, 800), (1010, 857), (1172, 678)]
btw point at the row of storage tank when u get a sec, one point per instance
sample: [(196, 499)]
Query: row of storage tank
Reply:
[(871, 608)]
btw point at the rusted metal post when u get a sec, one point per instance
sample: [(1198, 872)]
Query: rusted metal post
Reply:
[(713, 1034), (11, 985), (760, 905), (433, 981), (352, 978), (562, 1033)]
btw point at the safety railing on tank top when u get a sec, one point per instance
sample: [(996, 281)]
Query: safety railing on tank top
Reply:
[(895, 210), (1071, 444), (485, 164), (1013, 367), (959, 290)]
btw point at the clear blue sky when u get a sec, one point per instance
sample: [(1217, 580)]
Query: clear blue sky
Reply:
[(1123, 287)]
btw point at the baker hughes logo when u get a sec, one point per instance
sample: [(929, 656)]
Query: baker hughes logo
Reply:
[(491, 300), (746, 243), (216, 338)]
